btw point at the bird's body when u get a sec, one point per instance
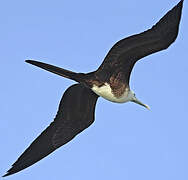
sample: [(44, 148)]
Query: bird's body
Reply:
[(110, 81), (106, 92)]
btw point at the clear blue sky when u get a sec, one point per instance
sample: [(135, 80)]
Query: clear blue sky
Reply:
[(126, 141)]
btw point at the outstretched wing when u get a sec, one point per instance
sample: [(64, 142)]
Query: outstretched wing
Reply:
[(76, 113), (126, 52)]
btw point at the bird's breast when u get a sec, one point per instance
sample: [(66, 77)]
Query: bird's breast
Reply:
[(106, 92)]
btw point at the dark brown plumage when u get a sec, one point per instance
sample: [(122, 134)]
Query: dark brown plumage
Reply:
[(77, 106), (72, 118)]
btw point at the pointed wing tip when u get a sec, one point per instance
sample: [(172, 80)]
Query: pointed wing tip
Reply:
[(12, 170), (180, 4), (7, 174)]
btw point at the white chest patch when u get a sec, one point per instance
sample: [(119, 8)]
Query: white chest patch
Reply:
[(105, 91)]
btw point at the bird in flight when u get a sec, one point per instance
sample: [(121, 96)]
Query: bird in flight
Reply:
[(110, 81)]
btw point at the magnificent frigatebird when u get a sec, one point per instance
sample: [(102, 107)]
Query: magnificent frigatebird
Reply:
[(110, 80)]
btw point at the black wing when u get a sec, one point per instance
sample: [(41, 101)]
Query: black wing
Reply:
[(126, 52), (76, 113)]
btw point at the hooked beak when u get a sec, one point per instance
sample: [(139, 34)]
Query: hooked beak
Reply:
[(135, 100)]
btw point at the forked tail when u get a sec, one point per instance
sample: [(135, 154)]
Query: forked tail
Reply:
[(79, 77)]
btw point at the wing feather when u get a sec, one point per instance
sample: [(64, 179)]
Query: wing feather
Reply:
[(75, 113), (127, 51)]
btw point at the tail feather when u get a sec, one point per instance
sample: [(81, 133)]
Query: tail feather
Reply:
[(59, 71)]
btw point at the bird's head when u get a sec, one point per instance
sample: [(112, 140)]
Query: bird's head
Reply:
[(135, 100)]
